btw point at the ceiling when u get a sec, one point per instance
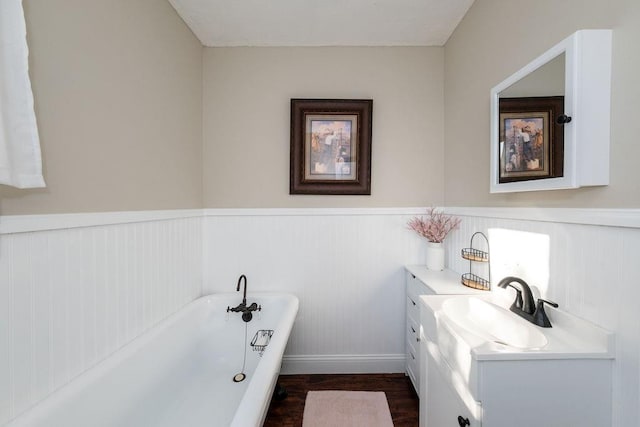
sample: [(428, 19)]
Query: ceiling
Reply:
[(322, 23)]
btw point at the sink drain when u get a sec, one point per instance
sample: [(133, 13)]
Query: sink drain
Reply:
[(239, 377)]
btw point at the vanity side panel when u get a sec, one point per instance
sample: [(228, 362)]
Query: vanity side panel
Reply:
[(562, 393)]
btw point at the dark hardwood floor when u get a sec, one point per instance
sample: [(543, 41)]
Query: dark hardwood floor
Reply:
[(402, 398)]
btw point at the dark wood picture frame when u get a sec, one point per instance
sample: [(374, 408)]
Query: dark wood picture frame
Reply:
[(330, 146), (531, 144)]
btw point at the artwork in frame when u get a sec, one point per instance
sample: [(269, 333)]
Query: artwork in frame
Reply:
[(531, 144), (330, 146)]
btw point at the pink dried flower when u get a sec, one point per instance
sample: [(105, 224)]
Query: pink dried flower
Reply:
[(435, 227)]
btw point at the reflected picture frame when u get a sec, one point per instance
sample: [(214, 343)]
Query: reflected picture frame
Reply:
[(330, 146), (531, 141)]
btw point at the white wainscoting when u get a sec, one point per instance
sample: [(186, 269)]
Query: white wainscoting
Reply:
[(78, 287), (75, 288), (345, 266)]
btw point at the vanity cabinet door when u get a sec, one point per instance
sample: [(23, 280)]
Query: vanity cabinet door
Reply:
[(444, 407)]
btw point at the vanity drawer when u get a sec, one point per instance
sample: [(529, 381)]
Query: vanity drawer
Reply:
[(416, 287), (413, 367), (413, 332), (413, 309)]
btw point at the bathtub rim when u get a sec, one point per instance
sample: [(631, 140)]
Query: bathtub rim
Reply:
[(38, 412), (267, 371)]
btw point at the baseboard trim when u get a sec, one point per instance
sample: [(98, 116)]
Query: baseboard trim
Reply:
[(343, 364)]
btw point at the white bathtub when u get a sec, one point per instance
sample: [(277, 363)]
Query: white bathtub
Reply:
[(180, 373)]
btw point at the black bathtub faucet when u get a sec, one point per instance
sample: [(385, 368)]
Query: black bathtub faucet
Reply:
[(242, 307)]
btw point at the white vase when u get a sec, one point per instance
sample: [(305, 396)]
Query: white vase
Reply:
[(435, 256)]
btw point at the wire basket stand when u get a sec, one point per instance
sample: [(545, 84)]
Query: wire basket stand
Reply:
[(476, 255)]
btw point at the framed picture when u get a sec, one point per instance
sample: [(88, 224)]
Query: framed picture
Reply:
[(531, 144), (330, 146)]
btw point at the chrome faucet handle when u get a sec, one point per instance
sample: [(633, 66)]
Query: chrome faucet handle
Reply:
[(540, 316)]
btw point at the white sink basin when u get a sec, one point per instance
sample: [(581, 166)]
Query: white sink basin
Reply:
[(493, 323)]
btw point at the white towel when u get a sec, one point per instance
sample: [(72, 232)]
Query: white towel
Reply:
[(20, 157)]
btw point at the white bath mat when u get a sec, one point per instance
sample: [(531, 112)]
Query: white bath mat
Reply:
[(346, 409)]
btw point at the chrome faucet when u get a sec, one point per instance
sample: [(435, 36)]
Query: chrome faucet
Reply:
[(242, 307), (524, 304)]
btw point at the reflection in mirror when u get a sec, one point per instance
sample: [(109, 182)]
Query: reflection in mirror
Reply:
[(531, 141), (531, 144), (547, 80)]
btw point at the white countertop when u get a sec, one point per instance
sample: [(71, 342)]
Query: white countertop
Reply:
[(569, 338), (445, 282)]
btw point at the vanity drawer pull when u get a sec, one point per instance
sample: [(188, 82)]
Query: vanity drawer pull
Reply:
[(413, 331), (412, 301), (462, 422)]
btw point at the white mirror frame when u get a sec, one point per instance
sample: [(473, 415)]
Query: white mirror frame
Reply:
[(587, 100)]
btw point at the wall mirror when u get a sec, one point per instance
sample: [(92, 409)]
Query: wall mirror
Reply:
[(550, 119)]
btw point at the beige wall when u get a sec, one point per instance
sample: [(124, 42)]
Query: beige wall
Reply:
[(247, 94), (133, 115), (498, 37), (117, 87)]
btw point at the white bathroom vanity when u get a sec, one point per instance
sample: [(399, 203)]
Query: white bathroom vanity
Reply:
[(482, 365)]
